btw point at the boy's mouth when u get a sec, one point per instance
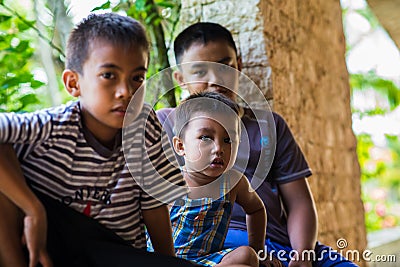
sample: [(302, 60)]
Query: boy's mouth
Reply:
[(119, 110)]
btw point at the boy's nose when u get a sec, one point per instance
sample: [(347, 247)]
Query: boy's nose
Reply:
[(123, 91)]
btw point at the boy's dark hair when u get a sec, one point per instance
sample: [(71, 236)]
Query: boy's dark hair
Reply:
[(208, 102), (110, 27), (201, 33)]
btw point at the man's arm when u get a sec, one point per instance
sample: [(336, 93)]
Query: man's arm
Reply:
[(14, 187), (158, 226), (302, 217)]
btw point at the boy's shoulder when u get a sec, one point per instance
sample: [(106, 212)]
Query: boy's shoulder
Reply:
[(69, 107), (64, 113)]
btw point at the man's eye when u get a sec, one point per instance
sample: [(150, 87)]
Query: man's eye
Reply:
[(200, 73), (224, 68), (108, 75)]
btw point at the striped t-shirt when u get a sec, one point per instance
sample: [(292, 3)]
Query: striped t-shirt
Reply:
[(61, 158)]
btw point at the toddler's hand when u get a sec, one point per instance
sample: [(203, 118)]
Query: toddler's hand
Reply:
[(274, 262), (300, 264)]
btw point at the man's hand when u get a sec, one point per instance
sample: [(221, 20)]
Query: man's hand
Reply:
[(35, 235)]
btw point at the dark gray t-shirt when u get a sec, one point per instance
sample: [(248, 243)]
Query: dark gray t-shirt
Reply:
[(285, 165)]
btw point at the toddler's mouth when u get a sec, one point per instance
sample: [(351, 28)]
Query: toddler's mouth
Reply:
[(217, 162)]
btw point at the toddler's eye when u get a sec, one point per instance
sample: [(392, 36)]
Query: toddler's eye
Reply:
[(205, 138), (228, 140)]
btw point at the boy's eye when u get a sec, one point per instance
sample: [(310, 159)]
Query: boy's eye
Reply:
[(139, 78), (108, 75)]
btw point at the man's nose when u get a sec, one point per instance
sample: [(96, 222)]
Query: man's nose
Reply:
[(214, 78)]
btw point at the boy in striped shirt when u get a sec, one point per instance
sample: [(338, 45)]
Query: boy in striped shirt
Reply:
[(101, 156)]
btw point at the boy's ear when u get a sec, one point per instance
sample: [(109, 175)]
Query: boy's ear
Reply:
[(178, 146), (178, 76), (70, 79)]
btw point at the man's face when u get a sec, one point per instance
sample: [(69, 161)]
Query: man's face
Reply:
[(210, 67)]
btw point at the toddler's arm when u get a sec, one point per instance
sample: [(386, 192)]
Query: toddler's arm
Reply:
[(159, 227), (256, 216)]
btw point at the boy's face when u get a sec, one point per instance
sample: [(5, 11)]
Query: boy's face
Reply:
[(111, 76), (209, 145), (210, 67)]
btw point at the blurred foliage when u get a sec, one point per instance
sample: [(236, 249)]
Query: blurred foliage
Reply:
[(380, 166), (384, 87), (21, 90), (380, 182), (17, 83)]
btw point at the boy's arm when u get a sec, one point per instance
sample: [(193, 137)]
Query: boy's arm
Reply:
[(159, 227), (14, 187), (302, 216), (256, 216)]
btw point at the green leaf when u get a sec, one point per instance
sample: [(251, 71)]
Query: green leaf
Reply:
[(140, 5), (28, 99), (370, 80), (22, 46), (11, 82), (4, 18), (25, 25), (106, 5), (166, 4), (150, 19), (36, 84)]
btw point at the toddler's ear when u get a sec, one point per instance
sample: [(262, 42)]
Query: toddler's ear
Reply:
[(70, 79), (178, 146)]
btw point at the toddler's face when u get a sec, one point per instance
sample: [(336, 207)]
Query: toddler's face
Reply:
[(210, 67), (211, 143), (111, 76)]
